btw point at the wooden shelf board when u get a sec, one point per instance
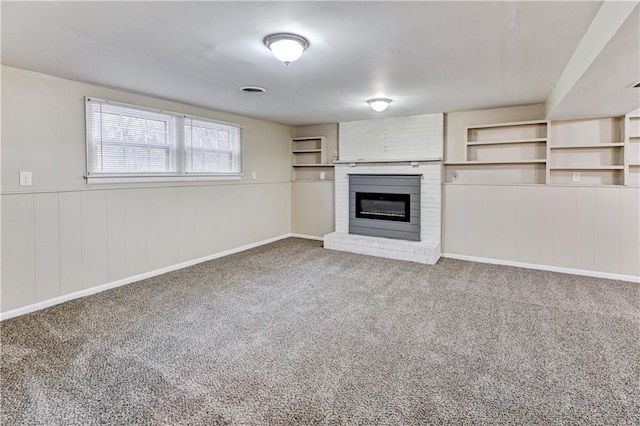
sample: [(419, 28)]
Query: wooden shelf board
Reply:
[(589, 146), (634, 164), (312, 165), (520, 141), (307, 138), (586, 167), (512, 124), (416, 160), (493, 184), (305, 151), (487, 163)]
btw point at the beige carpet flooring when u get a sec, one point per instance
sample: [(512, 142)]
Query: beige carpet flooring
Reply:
[(292, 334)]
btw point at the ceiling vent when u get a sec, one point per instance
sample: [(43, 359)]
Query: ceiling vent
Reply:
[(254, 90)]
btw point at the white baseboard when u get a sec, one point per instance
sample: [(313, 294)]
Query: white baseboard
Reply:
[(582, 272), (306, 236), (97, 289)]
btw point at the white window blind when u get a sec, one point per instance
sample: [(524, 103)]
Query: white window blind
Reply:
[(131, 142), (211, 147), (127, 140)]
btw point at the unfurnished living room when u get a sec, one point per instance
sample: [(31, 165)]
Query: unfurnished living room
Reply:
[(320, 213)]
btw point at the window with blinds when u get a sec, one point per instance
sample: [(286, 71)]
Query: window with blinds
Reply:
[(211, 146), (131, 141)]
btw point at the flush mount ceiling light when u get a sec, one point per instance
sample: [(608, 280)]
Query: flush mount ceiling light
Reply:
[(286, 47), (379, 104)]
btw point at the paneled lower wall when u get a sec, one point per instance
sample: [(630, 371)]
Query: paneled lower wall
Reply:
[(57, 243), (312, 207), (586, 228)]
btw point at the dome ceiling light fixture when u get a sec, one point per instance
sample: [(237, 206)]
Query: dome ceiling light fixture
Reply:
[(286, 47), (379, 104)]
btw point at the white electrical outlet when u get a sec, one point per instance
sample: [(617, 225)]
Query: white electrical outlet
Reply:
[(254, 175), (322, 175), (575, 177), (454, 177), (26, 179)]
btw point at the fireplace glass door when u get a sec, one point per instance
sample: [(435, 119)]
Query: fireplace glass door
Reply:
[(380, 206)]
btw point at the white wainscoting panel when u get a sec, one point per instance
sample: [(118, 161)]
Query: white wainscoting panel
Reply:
[(117, 235), (71, 255), (135, 205), (577, 228), (60, 243), (94, 238), (18, 252), (630, 233), (47, 246)]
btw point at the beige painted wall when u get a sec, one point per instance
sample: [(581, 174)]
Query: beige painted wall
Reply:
[(312, 202), (61, 235)]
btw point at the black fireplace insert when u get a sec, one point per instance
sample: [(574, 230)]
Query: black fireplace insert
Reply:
[(375, 205)]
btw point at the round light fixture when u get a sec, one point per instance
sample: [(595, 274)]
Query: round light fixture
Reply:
[(286, 47), (379, 104)]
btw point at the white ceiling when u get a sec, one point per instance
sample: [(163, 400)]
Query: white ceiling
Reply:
[(606, 84), (426, 56)]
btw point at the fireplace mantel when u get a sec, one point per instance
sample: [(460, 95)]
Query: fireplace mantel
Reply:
[(391, 161)]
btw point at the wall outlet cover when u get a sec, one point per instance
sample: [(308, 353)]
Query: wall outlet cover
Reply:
[(575, 177), (26, 179)]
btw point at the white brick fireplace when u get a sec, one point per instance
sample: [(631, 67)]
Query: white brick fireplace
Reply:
[(393, 146)]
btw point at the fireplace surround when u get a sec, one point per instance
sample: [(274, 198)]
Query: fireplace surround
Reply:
[(409, 146), (427, 203)]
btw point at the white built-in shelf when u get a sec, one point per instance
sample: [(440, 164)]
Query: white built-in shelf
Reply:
[(586, 167), (517, 141), (589, 146), (306, 138), (486, 163), (512, 124), (309, 159), (305, 151)]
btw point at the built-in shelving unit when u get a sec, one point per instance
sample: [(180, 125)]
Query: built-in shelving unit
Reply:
[(587, 152), (598, 151), (502, 153), (632, 148), (309, 159)]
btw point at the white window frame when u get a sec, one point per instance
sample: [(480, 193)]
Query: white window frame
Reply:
[(180, 175)]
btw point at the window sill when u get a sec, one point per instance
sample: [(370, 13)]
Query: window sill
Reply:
[(92, 180)]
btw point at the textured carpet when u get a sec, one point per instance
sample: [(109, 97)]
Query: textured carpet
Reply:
[(290, 333)]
